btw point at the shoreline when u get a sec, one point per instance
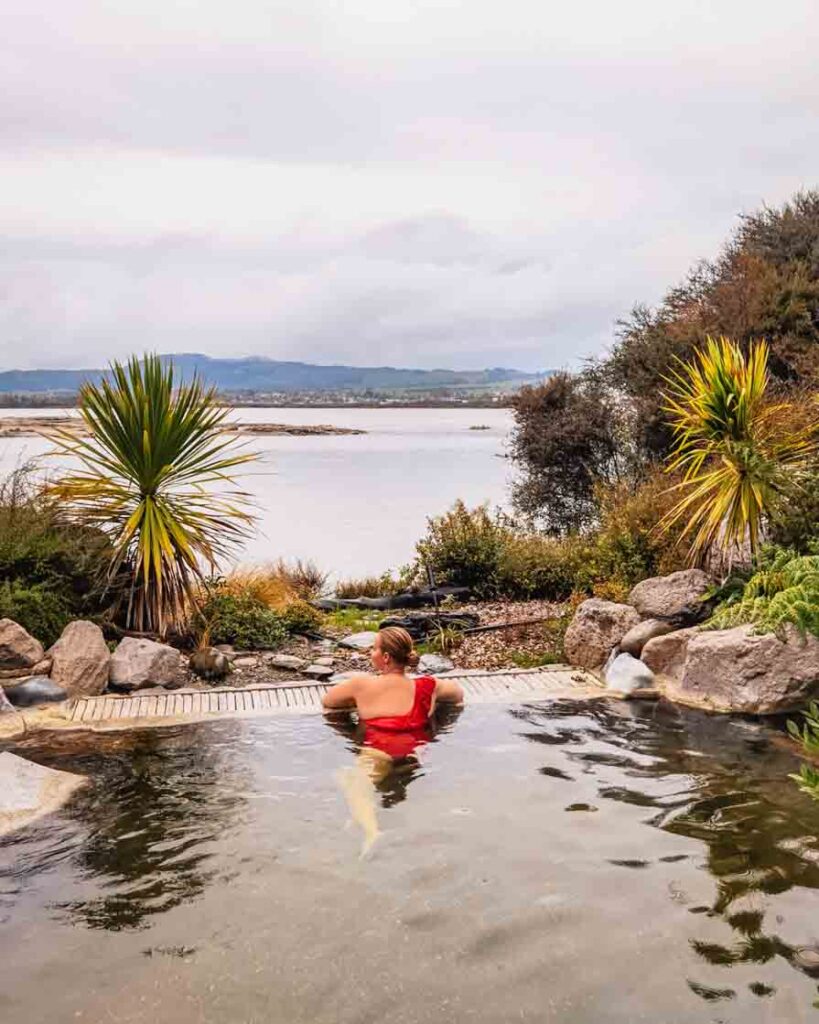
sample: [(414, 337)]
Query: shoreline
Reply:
[(40, 426)]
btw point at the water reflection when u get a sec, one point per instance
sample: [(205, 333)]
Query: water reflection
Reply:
[(150, 823), (723, 783)]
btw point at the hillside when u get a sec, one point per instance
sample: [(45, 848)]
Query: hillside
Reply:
[(268, 375)]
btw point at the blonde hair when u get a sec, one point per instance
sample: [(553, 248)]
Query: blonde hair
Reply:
[(397, 642)]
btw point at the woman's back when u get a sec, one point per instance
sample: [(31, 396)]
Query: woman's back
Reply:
[(396, 702)]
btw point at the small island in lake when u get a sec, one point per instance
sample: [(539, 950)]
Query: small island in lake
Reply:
[(31, 426)]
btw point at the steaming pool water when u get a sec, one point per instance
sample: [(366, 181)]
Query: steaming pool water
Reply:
[(565, 862)]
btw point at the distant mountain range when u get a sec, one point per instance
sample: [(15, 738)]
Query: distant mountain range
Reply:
[(256, 374)]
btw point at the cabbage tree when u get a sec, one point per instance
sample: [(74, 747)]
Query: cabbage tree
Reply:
[(156, 472), (737, 449)]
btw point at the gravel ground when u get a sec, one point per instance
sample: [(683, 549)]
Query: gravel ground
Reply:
[(518, 646)]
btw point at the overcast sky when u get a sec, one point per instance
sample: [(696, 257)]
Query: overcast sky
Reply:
[(458, 183)]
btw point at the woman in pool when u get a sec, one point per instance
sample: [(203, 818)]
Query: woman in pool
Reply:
[(393, 709)]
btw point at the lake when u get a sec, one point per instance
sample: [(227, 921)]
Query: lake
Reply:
[(355, 504)]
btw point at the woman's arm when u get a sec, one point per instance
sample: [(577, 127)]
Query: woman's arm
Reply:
[(340, 696), (449, 692)]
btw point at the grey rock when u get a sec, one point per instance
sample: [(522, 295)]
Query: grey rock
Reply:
[(360, 641), (246, 661), (18, 649), (665, 655), (676, 597), (626, 673), (138, 663), (210, 663), (596, 628), (80, 659), (316, 671), (638, 636), (288, 662), (37, 690), (742, 671), (325, 660), (28, 790), (433, 665)]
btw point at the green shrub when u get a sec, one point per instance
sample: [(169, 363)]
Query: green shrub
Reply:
[(464, 547), (808, 736), (784, 590), (242, 621), (794, 522), (533, 566), (368, 586), (43, 611), (300, 617)]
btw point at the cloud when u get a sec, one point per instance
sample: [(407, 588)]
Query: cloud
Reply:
[(460, 183)]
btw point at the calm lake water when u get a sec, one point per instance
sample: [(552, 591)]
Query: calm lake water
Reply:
[(567, 863), (356, 505)]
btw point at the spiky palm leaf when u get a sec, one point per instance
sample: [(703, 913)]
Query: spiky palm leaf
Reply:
[(156, 474), (736, 450)]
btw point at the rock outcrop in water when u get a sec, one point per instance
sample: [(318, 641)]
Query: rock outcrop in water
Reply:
[(727, 670), (745, 672)]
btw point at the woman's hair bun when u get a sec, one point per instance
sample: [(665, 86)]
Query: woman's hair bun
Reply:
[(413, 658)]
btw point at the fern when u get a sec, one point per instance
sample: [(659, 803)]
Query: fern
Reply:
[(784, 590), (808, 777)]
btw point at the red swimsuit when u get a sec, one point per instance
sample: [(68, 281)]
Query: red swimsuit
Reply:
[(400, 735)]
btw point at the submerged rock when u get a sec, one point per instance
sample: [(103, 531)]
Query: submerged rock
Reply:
[(18, 648), (37, 690), (596, 628), (80, 659), (638, 636), (28, 790), (138, 663), (677, 597), (742, 671)]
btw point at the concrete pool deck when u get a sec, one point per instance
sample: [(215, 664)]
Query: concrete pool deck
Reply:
[(111, 712)]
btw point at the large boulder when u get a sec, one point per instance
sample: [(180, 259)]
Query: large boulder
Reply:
[(596, 628), (675, 598), (665, 655), (18, 649), (80, 659), (137, 663), (638, 636), (742, 671)]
